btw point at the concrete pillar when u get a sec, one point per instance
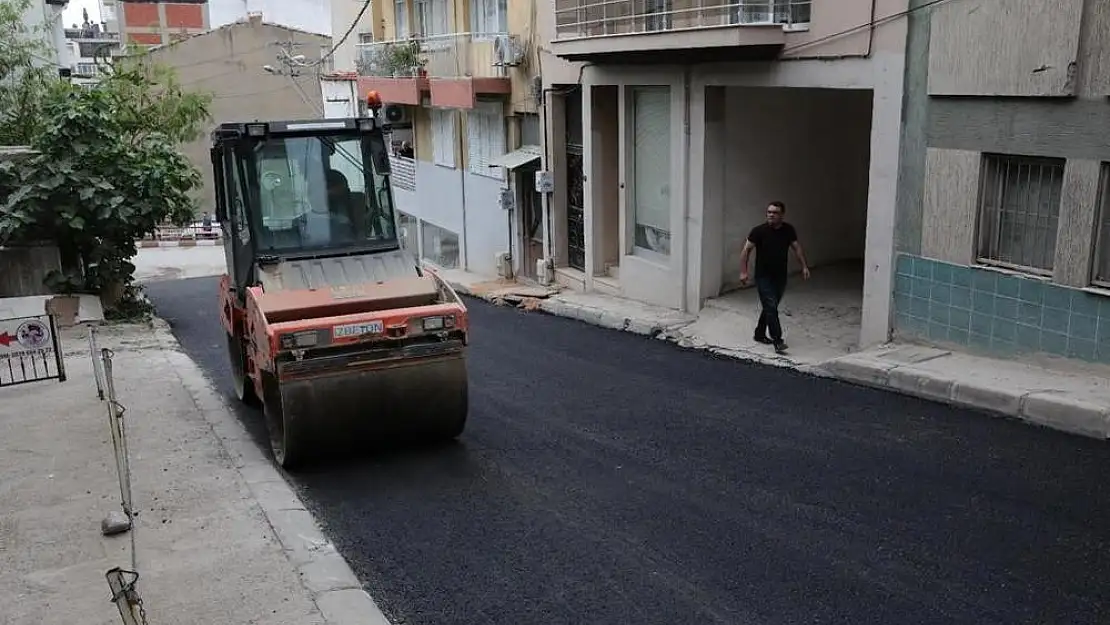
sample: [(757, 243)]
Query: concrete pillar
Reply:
[(707, 185), (878, 278), (589, 145), (556, 138)]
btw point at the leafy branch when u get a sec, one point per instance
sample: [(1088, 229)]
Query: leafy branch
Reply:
[(108, 167)]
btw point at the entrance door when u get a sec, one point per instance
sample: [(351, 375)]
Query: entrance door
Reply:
[(531, 218)]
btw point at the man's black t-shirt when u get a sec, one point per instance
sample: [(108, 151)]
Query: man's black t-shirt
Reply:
[(772, 249)]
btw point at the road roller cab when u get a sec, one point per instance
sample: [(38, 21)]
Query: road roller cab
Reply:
[(332, 327)]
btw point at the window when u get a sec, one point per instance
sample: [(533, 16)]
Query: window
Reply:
[(1019, 209), (485, 138), (657, 15), (319, 194), (431, 17), (774, 11), (488, 17), (530, 132), (651, 168), (1101, 271), (408, 232), (443, 137), (366, 37), (441, 246), (401, 18)]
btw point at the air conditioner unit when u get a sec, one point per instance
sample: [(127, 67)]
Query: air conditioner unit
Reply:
[(507, 51), (396, 114)]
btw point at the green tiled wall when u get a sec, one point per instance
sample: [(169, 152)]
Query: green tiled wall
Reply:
[(1002, 314)]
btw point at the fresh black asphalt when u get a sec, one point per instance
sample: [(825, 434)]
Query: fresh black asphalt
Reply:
[(606, 478)]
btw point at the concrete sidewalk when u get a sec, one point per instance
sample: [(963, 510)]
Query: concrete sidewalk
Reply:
[(1062, 395), (220, 536)]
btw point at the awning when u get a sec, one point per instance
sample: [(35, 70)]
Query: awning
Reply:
[(517, 158)]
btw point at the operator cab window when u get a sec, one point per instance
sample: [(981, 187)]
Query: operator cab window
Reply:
[(314, 197)]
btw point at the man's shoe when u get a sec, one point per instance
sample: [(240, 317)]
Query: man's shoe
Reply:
[(762, 339), (780, 347)]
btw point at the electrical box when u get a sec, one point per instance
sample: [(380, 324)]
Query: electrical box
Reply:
[(508, 199), (545, 182)]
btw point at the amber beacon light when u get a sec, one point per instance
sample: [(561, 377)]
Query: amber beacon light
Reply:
[(373, 100)]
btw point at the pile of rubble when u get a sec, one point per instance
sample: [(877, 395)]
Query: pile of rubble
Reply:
[(509, 293)]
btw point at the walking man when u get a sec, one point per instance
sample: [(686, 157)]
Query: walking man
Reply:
[(771, 242)]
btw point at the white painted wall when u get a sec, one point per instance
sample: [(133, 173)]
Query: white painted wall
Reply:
[(343, 13), (439, 197), (313, 16), (487, 225), (808, 148), (340, 98), (481, 225), (39, 14)]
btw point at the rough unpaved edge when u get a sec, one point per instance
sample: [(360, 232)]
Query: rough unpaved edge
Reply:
[(324, 573)]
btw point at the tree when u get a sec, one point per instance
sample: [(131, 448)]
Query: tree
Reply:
[(24, 73), (108, 171)]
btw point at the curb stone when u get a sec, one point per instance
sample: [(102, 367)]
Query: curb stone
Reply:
[(661, 331), (324, 573), (1050, 409)]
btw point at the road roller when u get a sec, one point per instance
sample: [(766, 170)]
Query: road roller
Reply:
[(334, 328)]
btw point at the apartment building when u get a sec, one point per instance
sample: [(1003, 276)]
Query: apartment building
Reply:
[(45, 16), (671, 124), (1003, 214), (227, 62), (90, 45), (461, 86), (146, 23)]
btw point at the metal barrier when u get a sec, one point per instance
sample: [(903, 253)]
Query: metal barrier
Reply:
[(122, 582), (98, 363), (30, 351)]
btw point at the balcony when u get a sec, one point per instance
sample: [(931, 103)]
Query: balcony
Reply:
[(92, 34), (454, 68), (675, 31)]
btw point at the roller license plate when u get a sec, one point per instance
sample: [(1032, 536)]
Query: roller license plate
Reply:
[(352, 330)]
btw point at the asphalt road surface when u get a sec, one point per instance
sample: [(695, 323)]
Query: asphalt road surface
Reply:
[(606, 478)]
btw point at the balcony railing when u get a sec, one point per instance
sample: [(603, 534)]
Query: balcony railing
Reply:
[(457, 55), (595, 18), (402, 172), (89, 33)]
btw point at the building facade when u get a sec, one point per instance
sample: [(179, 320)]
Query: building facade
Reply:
[(144, 23), (1003, 212), (227, 63), (461, 86), (91, 45), (672, 124), (47, 16)]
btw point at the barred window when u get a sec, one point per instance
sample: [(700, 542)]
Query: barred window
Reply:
[(1101, 273), (1019, 211)]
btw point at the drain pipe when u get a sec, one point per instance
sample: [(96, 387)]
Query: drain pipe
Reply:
[(685, 281)]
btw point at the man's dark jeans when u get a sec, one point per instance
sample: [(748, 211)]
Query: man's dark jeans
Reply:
[(770, 289)]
